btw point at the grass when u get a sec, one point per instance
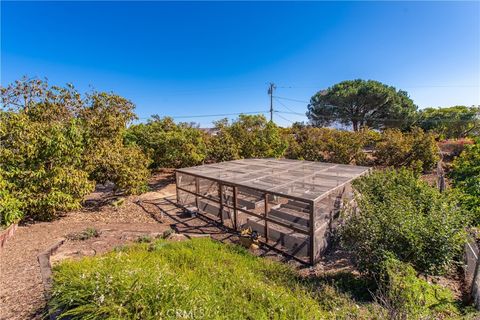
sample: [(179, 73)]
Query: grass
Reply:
[(84, 235), (201, 279)]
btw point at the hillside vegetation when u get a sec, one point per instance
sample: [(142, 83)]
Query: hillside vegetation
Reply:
[(203, 279)]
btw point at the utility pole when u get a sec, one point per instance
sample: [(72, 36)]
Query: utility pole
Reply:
[(270, 92)]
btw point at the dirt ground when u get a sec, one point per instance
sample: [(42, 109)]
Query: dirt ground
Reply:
[(118, 221)]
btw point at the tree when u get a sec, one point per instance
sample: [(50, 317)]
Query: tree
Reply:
[(465, 176), (453, 122), (169, 144), (256, 137), (362, 103), (401, 216), (415, 149), (222, 146), (55, 143)]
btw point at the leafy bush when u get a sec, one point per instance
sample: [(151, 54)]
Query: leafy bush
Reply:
[(405, 296), (401, 216), (42, 164), (10, 205), (169, 144), (125, 166), (416, 149), (256, 137), (168, 280), (222, 146), (50, 140), (329, 145), (465, 176), (452, 122)]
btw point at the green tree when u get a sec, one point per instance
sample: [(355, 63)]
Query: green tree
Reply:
[(222, 146), (465, 176), (50, 139), (256, 137), (415, 149), (453, 122), (362, 103), (329, 145), (169, 144), (43, 164), (401, 216)]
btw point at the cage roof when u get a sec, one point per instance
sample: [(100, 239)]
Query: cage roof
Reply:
[(307, 180)]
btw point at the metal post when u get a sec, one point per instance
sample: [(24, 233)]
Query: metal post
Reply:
[(176, 189), (312, 233), (266, 216), (235, 208)]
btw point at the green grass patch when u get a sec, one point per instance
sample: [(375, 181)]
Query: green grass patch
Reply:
[(204, 279), (194, 279)]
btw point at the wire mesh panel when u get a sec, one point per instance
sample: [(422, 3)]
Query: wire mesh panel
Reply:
[(472, 272), (289, 203)]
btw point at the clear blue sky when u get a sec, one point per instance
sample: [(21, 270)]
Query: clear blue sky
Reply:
[(218, 57)]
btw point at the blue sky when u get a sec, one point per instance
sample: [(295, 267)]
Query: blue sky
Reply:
[(185, 59)]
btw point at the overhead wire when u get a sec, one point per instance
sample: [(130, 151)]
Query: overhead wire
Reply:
[(211, 115)]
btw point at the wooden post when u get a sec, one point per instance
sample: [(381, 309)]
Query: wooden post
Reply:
[(312, 233), (197, 191), (235, 208), (220, 195), (266, 216), (176, 189)]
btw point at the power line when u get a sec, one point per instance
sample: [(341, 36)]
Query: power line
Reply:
[(285, 118), (211, 115), (284, 105), (289, 99)]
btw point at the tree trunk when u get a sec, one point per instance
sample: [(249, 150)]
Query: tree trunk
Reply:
[(355, 125)]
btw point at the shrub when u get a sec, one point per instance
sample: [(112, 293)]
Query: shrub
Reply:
[(405, 296), (51, 138), (329, 145), (402, 216), (42, 164), (10, 205), (170, 280), (125, 166), (169, 144), (256, 137), (465, 176), (452, 122), (222, 146), (416, 149)]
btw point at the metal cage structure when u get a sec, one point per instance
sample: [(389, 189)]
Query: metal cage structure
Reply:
[(293, 205)]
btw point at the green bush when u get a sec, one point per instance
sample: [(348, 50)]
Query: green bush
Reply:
[(222, 146), (402, 216), (42, 164), (452, 122), (50, 141), (10, 205), (405, 296), (465, 176), (199, 277), (125, 166), (329, 145), (169, 144), (256, 137), (416, 150)]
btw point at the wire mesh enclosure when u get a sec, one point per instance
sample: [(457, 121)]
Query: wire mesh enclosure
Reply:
[(291, 204)]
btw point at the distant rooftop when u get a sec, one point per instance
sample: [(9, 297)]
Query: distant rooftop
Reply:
[(306, 180)]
